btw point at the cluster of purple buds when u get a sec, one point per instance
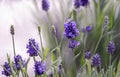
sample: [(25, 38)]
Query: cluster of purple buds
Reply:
[(6, 69), (111, 47), (73, 44), (78, 3), (45, 5), (32, 47), (19, 62), (40, 67), (87, 55), (70, 28), (96, 60), (71, 32)]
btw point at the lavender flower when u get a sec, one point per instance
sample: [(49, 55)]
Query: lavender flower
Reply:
[(45, 5), (73, 44), (32, 47), (77, 3), (40, 67), (6, 70), (111, 47), (87, 55), (71, 30), (96, 60), (84, 2), (17, 60), (87, 29)]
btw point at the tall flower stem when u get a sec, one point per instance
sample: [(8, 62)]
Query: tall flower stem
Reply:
[(98, 41), (39, 30), (13, 41), (57, 46), (41, 41), (12, 33), (110, 65)]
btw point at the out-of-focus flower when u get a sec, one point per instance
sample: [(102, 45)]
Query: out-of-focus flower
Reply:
[(40, 67), (59, 68), (106, 22), (73, 44), (70, 29), (32, 47), (84, 2), (77, 3), (6, 69), (87, 29), (96, 60), (45, 5), (53, 29), (18, 59), (111, 47), (87, 55)]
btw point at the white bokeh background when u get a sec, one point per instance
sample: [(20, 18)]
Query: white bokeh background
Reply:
[(17, 13)]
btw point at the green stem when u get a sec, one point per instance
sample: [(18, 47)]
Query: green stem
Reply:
[(98, 41), (41, 41), (13, 45), (96, 72), (42, 49), (110, 65), (34, 59), (58, 49), (22, 74)]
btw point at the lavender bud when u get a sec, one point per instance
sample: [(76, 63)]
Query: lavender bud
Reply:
[(106, 22), (70, 29), (73, 44), (6, 69), (96, 60), (17, 60), (45, 5), (12, 30), (111, 47), (87, 55), (84, 2), (40, 67), (32, 47), (76, 3), (53, 30), (39, 29)]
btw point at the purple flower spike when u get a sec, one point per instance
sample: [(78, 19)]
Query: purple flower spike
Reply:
[(32, 47), (84, 2), (45, 5), (76, 3), (17, 60), (40, 67), (73, 44), (96, 60), (6, 70), (111, 47), (87, 55), (70, 29)]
